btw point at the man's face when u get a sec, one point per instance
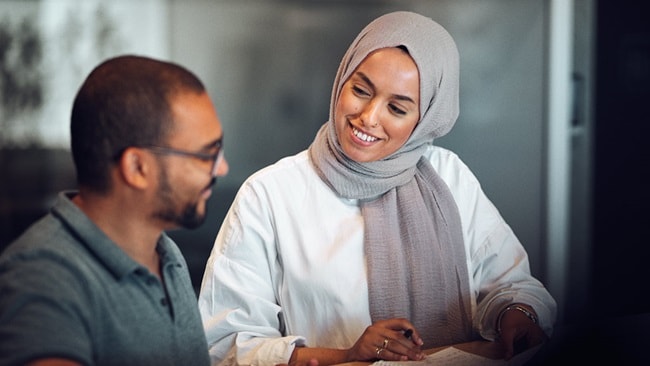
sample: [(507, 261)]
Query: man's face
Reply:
[(185, 181)]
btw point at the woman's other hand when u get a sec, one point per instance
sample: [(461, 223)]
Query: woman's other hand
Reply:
[(519, 331), (386, 340)]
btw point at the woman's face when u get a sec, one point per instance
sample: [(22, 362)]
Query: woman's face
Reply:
[(378, 107)]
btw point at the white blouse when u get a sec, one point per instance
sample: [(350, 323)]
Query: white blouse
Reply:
[(288, 268)]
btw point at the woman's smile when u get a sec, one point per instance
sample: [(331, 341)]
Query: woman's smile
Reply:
[(364, 137)]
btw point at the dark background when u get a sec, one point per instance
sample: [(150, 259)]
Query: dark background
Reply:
[(621, 199), (614, 326)]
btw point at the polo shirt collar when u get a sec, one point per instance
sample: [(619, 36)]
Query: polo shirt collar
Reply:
[(93, 238)]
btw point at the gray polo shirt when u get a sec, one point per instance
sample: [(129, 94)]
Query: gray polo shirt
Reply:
[(66, 290)]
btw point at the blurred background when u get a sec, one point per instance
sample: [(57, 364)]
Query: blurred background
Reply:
[(551, 112)]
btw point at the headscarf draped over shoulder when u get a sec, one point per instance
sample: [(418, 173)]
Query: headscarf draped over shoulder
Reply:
[(413, 240)]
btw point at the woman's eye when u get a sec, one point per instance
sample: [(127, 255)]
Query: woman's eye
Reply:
[(396, 109), (359, 91)]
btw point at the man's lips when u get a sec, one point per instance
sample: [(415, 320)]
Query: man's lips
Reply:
[(207, 191)]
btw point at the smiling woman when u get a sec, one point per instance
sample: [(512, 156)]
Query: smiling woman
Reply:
[(372, 231)]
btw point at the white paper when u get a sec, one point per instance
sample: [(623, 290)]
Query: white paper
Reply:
[(454, 356)]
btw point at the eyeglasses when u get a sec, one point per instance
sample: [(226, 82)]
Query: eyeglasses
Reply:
[(215, 158)]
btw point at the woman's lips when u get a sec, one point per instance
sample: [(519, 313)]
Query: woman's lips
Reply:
[(363, 136)]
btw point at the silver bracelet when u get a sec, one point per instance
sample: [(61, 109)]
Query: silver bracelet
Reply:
[(529, 314)]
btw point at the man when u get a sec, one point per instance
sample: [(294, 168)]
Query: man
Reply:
[(97, 281)]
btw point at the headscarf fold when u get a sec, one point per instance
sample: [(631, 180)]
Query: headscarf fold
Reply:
[(413, 241)]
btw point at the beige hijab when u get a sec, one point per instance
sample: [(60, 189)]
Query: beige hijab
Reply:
[(413, 240)]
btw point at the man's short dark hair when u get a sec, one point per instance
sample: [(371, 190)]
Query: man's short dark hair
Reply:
[(125, 101)]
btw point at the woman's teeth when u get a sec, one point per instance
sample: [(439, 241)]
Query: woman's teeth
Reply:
[(363, 136)]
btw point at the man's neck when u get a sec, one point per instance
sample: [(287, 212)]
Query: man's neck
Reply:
[(126, 225)]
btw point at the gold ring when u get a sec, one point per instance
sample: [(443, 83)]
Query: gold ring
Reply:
[(385, 343), (379, 350)]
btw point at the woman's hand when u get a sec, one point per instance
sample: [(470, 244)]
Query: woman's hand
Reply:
[(386, 340), (518, 332)]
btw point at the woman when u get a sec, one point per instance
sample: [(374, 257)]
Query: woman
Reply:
[(373, 243)]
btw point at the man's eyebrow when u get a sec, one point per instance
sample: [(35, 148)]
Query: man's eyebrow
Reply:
[(215, 143), (366, 79)]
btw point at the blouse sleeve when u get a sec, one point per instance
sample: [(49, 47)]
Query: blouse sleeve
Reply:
[(497, 262), (237, 301)]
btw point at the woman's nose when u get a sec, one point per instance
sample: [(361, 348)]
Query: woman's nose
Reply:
[(370, 114)]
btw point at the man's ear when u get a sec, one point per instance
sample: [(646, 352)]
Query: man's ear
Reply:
[(136, 167)]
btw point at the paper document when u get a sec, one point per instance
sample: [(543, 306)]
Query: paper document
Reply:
[(455, 356)]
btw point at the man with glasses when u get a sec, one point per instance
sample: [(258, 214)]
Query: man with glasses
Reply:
[(97, 281)]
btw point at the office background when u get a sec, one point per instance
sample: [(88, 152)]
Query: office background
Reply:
[(551, 115)]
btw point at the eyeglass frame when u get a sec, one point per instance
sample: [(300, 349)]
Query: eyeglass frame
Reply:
[(216, 158)]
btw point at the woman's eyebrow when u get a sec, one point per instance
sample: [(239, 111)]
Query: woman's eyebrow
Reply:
[(365, 78)]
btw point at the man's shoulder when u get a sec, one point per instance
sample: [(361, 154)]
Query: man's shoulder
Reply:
[(39, 236), (47, 252)]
